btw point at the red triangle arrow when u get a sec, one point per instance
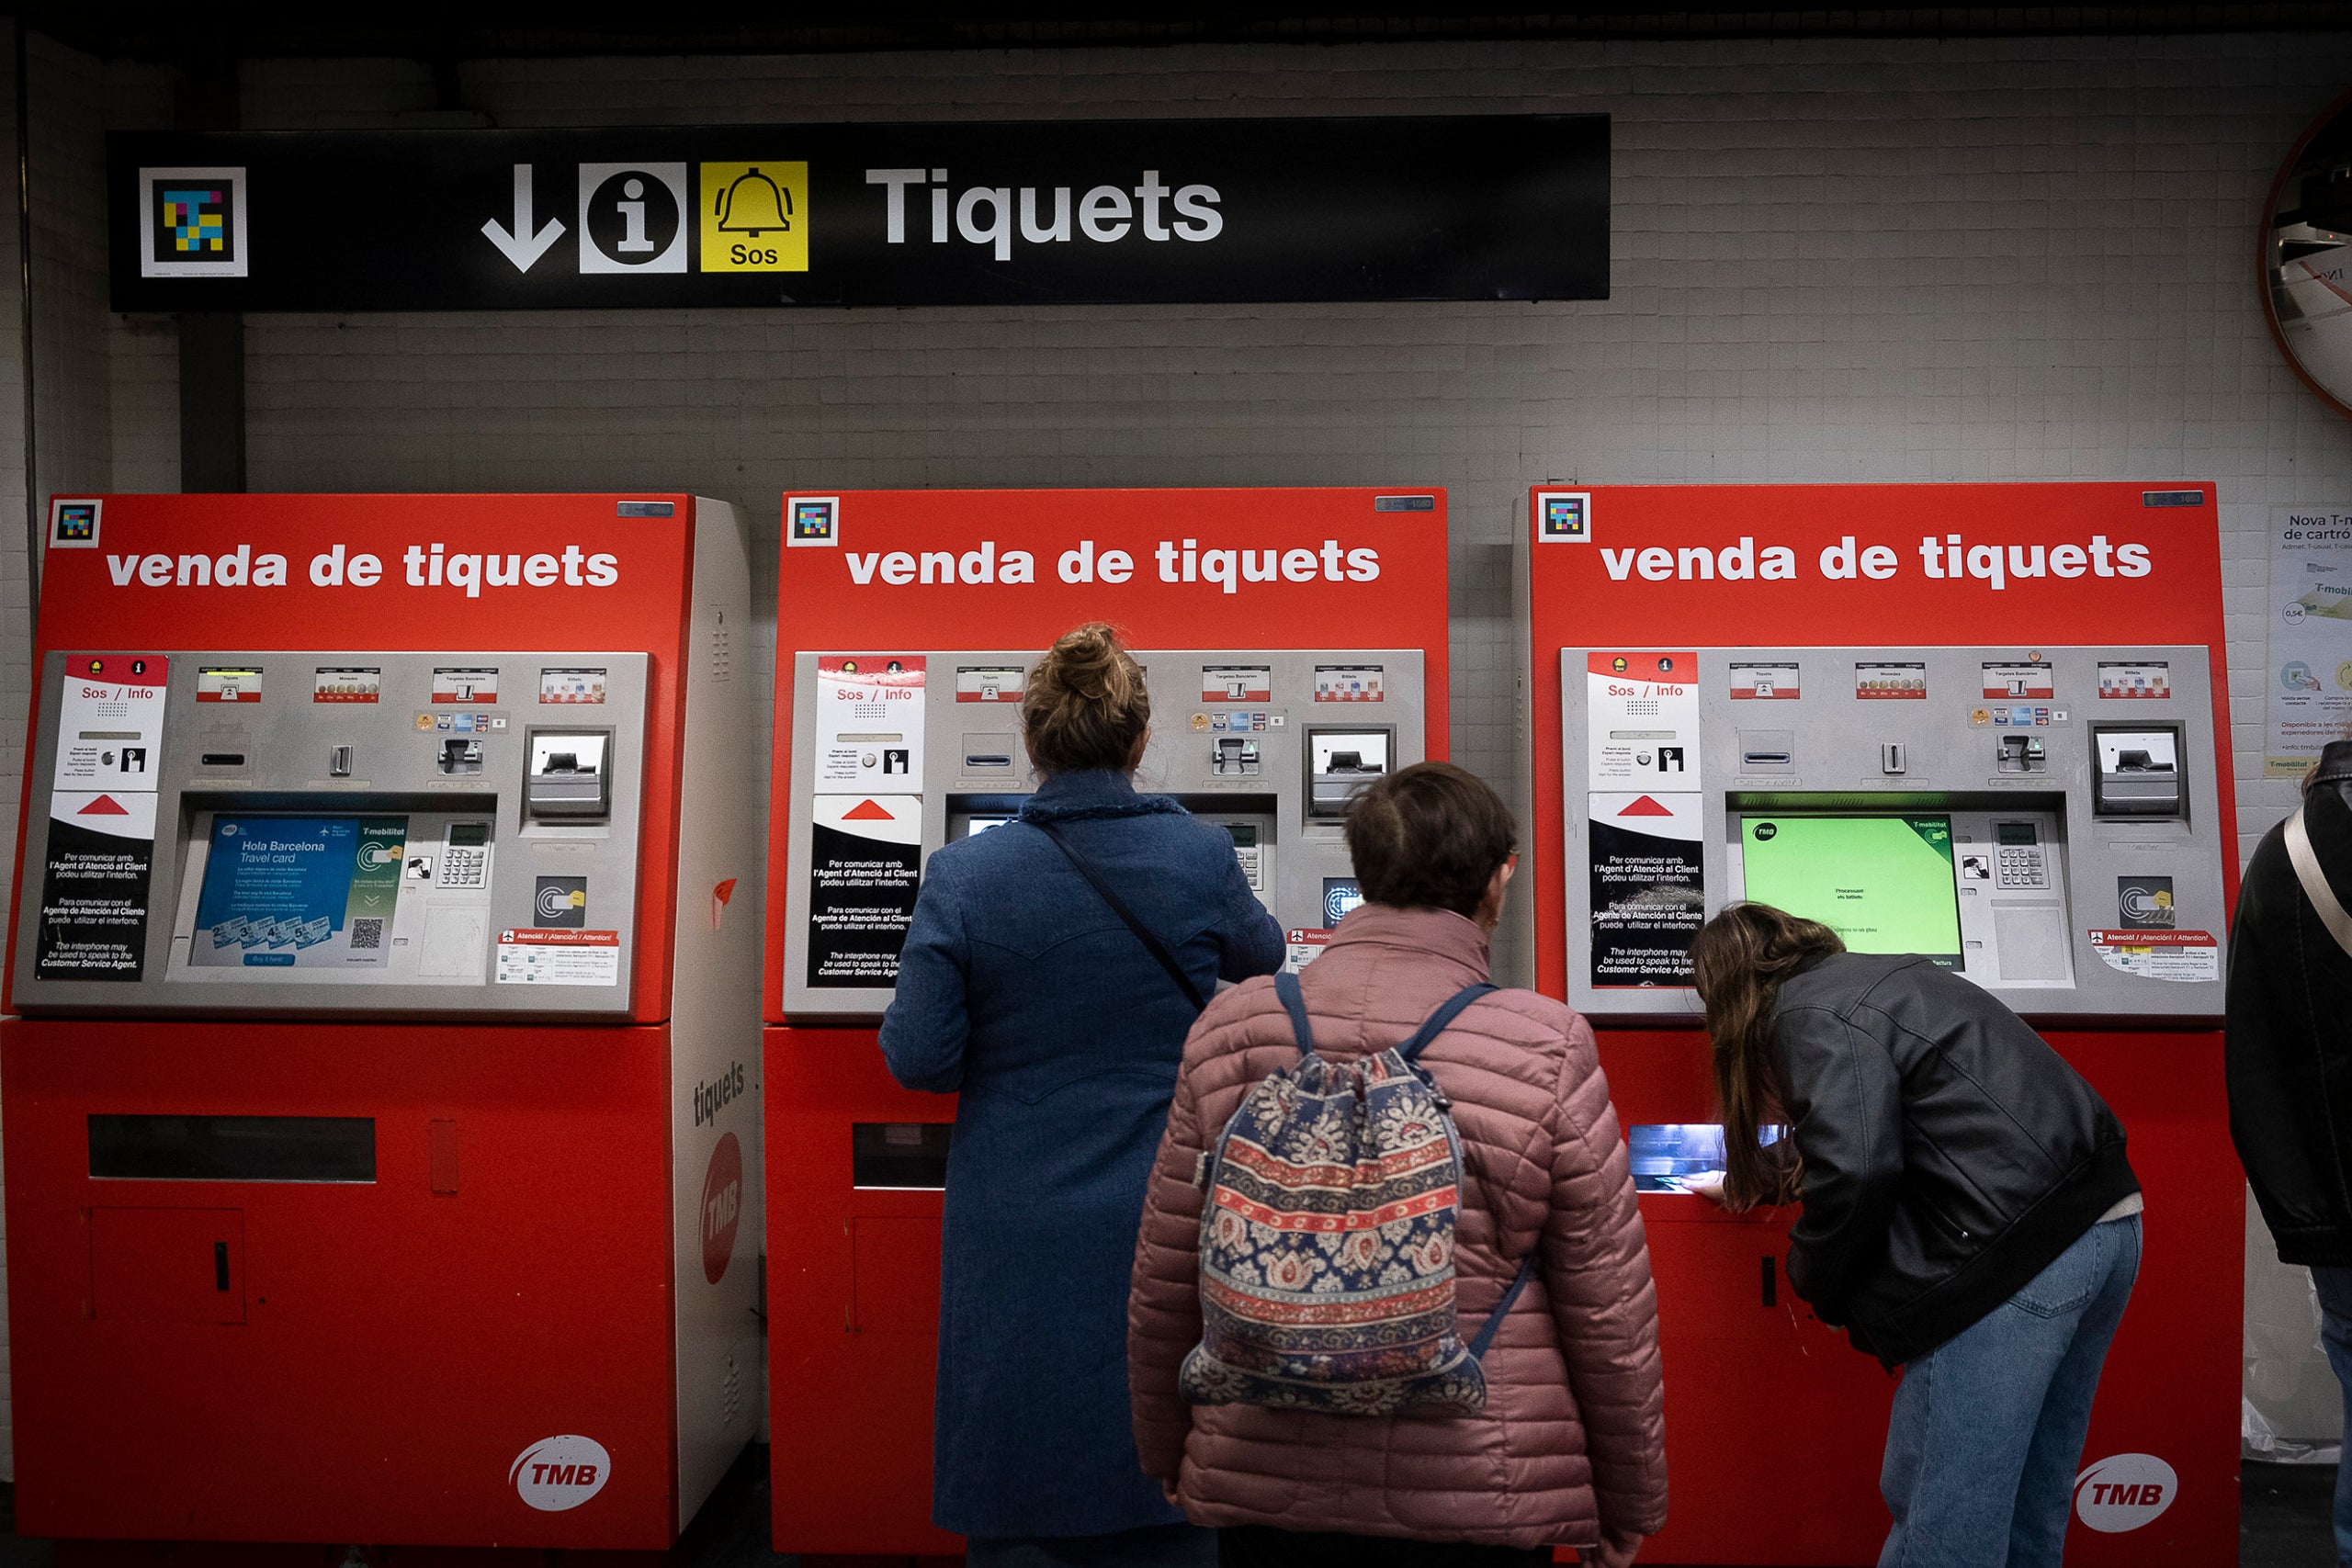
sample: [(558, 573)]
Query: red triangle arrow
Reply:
[(1646, 807), (105, 805), (871, 811)]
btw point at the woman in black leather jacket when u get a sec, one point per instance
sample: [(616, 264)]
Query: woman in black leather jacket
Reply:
[(1969, 1215)]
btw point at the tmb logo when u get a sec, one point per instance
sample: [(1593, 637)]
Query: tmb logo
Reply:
[(710, 1099), (556, 1473), (722, 1207), (2124, 1493)]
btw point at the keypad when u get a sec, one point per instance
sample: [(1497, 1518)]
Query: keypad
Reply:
[(2023, 866), (464, 866)]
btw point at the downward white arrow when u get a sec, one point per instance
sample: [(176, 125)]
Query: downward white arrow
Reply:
[(518, 244)]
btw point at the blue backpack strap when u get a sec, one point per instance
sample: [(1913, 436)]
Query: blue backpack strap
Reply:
[(1502, 1308), (1434, 1025), (1295, 1003)]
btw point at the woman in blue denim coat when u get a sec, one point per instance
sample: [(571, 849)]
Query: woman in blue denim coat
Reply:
[(1023, 991)]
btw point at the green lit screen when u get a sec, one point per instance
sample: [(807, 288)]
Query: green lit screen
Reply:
[(1882, 883)]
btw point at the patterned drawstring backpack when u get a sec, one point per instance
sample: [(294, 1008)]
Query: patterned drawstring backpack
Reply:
[(1328, 1239)]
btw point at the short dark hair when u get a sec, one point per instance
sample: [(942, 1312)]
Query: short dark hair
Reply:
[(1430, 836)]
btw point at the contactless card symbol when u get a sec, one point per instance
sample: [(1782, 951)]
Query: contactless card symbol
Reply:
[(812, 520), (560, 901), (2144, 903), (1563, 517), (73, 524), (191, 222), (632, 218)]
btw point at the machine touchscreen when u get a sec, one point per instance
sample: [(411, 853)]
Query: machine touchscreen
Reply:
[(1666, 1155), (299, 892), (1885, 883)]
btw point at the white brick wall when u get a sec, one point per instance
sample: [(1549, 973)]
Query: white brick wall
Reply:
[(1833, 261)]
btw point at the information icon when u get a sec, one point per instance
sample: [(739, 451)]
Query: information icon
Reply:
[(632, 218)]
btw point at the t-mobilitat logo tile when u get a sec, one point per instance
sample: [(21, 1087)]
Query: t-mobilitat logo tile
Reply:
[(560, 1472)]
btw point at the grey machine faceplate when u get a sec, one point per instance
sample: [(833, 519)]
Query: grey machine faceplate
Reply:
[(309, 748), (2027, 919), (974, 766)]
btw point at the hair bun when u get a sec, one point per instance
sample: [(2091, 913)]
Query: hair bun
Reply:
[(1086, 705)]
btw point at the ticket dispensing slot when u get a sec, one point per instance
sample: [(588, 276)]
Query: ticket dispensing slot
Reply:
[(2138, 770), (566, 779), (1341, 761), (900, 1157)]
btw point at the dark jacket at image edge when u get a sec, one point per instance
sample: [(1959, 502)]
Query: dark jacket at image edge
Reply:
[(2289, 1044)]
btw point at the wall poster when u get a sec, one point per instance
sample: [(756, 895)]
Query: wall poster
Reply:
[(2310, 677)]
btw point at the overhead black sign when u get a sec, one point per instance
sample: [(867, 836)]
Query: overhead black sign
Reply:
[(1042, 214)]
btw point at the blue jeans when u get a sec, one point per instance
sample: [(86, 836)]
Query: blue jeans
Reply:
[(1987, 1429), (2334, 1288)]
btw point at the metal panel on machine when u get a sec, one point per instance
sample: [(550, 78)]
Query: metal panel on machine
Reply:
[(449, 832), (1264, 742), (2045, 820)]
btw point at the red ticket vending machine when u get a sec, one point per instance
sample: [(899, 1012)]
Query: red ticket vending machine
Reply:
[(1987, 723), (381, 1143), (1294, 643)]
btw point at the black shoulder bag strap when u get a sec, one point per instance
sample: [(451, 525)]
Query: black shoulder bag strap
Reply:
[(1151, 943)]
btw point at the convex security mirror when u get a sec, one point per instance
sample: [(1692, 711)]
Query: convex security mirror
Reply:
[(2306, 257)]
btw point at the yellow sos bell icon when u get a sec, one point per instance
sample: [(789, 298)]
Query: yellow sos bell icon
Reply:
[(754, 217)]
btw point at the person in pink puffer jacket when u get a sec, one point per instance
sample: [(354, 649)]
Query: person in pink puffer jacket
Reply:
[(1570, 1449)]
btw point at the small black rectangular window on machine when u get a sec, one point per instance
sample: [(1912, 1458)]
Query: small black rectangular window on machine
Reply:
[(233, 1148), (900, 1155)]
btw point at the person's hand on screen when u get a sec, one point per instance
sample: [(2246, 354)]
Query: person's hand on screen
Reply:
[(1707, 1184)]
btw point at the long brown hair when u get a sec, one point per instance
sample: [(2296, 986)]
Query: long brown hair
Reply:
[(1739, 961)]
